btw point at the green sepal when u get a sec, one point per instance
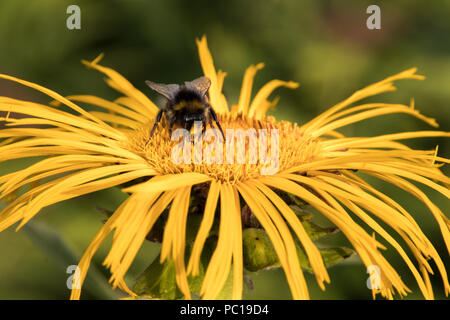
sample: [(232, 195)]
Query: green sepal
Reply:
[(158, 281)]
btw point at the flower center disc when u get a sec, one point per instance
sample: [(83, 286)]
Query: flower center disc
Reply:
[(252, 148)]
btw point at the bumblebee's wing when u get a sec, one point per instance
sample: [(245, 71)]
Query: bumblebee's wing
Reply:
[(167, 90), (201, 84)]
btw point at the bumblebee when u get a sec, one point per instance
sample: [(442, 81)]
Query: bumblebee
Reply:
[(186, 104)]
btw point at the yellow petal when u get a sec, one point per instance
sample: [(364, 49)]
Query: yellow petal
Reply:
[(219, 265), (121, 84), (169, 182), (217, 100), (55, 96), (312, 251), (371, 90), (265, 91), (108, 105), (280, 237), (246, 88), (205, 227)]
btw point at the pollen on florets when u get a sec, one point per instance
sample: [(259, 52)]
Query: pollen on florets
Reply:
[(291, 148)]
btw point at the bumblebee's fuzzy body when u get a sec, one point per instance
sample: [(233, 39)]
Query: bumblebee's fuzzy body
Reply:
[(186, 104), (187, 107)]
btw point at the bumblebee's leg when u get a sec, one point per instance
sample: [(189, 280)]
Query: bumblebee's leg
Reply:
[(188, 125), (203, 125), (214, 116), (198, 137), (171, 123), (210, 122), (209, 119), (158, 118)]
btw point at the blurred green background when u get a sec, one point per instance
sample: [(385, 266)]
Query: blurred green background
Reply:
[(324, 45)]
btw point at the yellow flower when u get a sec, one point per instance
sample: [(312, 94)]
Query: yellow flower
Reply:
[(96, 150)]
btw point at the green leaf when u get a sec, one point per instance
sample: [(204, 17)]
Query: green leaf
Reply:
[(302, 214), (330, 256), (53, 244), (315, 232), (226, 293), (291, 199), (259, 253)]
